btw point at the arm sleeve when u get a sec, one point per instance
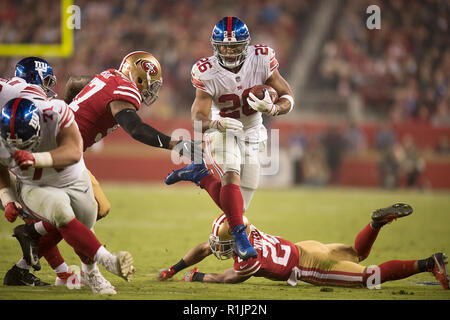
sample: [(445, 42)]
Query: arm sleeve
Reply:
[(133, 125)]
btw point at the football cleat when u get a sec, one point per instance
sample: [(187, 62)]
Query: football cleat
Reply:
[(188, 276), (22, 277), (388, 214), (193, 172), (243, 248), (29, 246), (97, 282), (440, 269), (165, 274), (120, 264)]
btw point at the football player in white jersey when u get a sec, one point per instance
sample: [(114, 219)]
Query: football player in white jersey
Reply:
[(42, 146), (231, 118)]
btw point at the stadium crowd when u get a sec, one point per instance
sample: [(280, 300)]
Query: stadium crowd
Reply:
[(401, 70)]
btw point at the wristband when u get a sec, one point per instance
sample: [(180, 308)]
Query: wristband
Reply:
[(198, 277), (42, 160), (291, 100), (6, 196)]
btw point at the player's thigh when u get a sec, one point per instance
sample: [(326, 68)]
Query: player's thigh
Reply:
[(83, 201), (250, 166), (103, 203), (47, 203), (341, 252), (223, 152)]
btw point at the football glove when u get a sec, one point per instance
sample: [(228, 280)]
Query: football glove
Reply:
[(188, 276), (265, 105), (24, 159), (190, 149), (226, 124), (12, 210), (165, 274)]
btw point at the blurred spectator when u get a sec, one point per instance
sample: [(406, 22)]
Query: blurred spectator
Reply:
[(411, 163), (298, 143), (443, 147), (389, 167), (385, 137), (314, 165), (334, 145), (355, 139)]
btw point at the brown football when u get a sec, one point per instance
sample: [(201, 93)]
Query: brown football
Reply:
[(258, 91)]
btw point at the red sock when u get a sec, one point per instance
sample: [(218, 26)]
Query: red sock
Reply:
[(232, 204), (81, 238), (212, 185), (48, 249), (48, 226), (396, 270), (364, 241)]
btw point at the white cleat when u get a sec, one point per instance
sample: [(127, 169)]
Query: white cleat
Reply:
[(120, 264), (97, 282)]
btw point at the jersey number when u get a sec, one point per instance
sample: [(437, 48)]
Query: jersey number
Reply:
[(92, 88), (269, 245), (237, 103)]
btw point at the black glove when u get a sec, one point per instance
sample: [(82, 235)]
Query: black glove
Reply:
[(190, 149)]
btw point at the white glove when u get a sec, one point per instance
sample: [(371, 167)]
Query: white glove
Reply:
[(265, 105), (226, 124)]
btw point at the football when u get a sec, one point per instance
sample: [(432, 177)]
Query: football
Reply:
[(258, 91)]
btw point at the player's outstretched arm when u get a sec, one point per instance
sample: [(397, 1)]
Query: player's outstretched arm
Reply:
[(283, 88), (74, 85), (228, 276), (126, 116), (194, 256)]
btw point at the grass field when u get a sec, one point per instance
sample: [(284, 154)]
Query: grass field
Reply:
[(159, 224)]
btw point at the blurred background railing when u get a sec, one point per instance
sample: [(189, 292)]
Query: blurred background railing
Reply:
[(372, 106)]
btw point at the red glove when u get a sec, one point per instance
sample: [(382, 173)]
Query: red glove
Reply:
[(12, 211), (24, 159), (165, 274), (188, 276)]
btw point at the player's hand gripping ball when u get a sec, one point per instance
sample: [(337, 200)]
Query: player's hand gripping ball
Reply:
[(262, 98)]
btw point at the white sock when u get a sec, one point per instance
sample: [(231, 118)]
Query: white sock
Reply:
[(102, 253), (39, 227), (22, 264), (61, 268), (87, 268)]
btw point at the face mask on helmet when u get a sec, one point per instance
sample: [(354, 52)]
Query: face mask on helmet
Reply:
[(20, 125), (222, 250), (230, 39), (151, 94), (37, 71)]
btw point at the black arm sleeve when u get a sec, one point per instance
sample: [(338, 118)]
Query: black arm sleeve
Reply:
[(129, 120)]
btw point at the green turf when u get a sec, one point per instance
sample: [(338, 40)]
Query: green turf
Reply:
[(159, 224)]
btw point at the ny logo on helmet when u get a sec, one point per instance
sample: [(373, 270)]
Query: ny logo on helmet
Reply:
[(34, 121), (40, 66), (149, 67)]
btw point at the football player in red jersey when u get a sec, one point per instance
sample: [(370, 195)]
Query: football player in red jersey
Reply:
[(309, 261)]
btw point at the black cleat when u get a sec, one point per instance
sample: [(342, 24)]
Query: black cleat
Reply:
[(22, 277), (29, 246), (386, 215)]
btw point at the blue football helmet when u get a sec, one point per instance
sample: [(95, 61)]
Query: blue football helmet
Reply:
[(230, 39), (20, 124), (37, 71)]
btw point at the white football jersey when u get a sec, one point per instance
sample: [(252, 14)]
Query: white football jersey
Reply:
[(55, 115), (17, 87), (230, 90)]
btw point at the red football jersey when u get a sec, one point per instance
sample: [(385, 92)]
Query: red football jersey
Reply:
[(91, 105), (276, 257)]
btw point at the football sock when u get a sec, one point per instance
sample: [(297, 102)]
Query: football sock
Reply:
[(102, 253), (212, 185), (40, 228), (22, 264), (62, 268), (180, 265), (425, 264), (81, 238), (47, 248), (87, 268), (364, 241), (396, 269), (232, 204)]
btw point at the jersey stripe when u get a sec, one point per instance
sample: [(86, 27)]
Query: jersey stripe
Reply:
[(131, 89), (251, 270), (273, 64), (138, 100), (13, 118), (198, 84)]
